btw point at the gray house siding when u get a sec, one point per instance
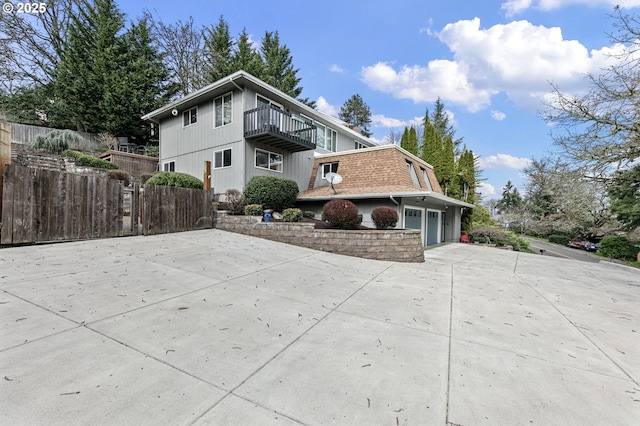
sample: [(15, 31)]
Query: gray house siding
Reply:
[(188, 147)]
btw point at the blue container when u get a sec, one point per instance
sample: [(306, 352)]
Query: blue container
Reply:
[(267, 217)]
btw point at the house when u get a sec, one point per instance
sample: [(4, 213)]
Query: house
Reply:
[(387, 176), (244, 127)]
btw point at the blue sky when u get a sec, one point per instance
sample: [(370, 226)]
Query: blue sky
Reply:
[(490, 62)]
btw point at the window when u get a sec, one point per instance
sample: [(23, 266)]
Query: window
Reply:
[(330, 140), (222, 110), (326, 137), (268, 160), (320, 130), (169, 167), (329, 168), (425, 176), (190, 117), (414, 175), (360, 145), (222, 159)]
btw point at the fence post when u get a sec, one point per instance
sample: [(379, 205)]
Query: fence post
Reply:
[(207, 175), (5, 153)]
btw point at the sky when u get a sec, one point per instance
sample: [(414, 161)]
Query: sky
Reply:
[(492, 63)]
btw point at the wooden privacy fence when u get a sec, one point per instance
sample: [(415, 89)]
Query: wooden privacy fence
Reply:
[(40, 205), (169, 209)]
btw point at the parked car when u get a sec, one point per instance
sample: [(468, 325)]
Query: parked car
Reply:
[(578, 244), (589, 246)]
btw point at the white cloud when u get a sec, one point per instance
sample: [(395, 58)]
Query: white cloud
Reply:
[(502, 161), (379, 120), (518, 59), (323, 106), (485, 189), (440, 78), (512, 7), (336, 68), (498, 115)]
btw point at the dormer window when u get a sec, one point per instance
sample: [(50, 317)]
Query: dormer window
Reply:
[(414, 175), (425, 176), (329, 168)]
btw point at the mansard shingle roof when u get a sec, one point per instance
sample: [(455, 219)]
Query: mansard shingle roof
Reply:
[(380, 170)]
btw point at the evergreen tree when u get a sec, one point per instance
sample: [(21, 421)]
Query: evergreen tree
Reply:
[(91, 66), (467, 175), (432, 147), (625, 197), (108, 77), (511, 199), (356, 114), (245, 57), (404, 139), (146, 86), (218, 49), (409, 140), (447, 176), (278, 65)]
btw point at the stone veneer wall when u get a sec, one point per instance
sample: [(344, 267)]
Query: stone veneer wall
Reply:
[(402, 245)]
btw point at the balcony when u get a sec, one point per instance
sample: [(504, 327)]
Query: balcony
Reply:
[(272, 126)]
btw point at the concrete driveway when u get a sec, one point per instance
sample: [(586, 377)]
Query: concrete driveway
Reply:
[(209, 327)]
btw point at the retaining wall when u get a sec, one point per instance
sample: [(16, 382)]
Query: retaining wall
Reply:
[(398, 245)]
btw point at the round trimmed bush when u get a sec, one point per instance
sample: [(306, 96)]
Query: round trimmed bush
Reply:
[(617, 247), (272, 192), (341, 214), (384, 217), (292, 215), (182, 180), (119, 175)]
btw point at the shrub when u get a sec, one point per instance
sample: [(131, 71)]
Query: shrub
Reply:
[(341, 214), (561, 239), (85, 160), (618, 248), (272, 192), (108, 140), (56, 141), (292, 215), (309, 214), (235, 201), (144, 177), (487, 234), (384, 217), (119, 175), (253, 210), (182, 180)]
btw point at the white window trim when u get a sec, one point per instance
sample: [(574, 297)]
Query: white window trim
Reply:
[(167, 164), (269, 160), (214, 110), (188, 111), (222, 151), (324, 175)]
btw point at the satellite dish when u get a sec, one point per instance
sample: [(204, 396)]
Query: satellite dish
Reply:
[(333, 178), (174, 112)]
